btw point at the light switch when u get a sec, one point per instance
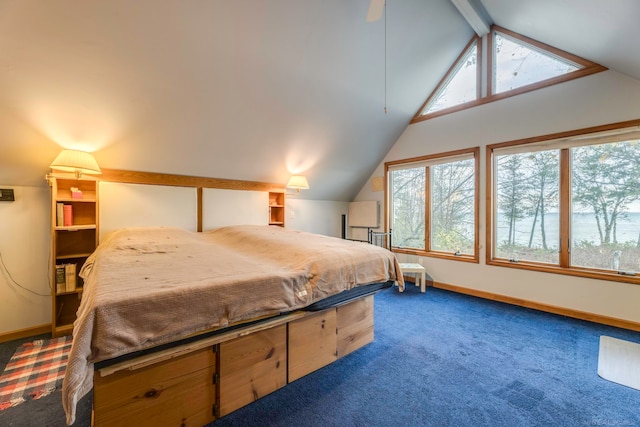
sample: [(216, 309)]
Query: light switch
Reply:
[(6, 195)]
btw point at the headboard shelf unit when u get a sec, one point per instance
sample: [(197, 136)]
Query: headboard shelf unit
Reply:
[(72, 244)]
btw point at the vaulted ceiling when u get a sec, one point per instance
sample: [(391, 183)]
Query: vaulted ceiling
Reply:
[(248, 89)]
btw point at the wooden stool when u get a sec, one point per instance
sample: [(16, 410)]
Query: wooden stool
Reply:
[(407, 267)]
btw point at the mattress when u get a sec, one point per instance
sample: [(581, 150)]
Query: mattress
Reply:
[(146, 287)]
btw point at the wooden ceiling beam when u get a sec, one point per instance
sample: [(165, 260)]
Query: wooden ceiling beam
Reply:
[(475, 14)]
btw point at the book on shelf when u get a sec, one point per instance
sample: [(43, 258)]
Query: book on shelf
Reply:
[(70, 276), (61, 280), (59, 214), (68, 215)]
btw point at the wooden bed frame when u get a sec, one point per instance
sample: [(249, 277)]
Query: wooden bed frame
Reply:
[(193, 384)]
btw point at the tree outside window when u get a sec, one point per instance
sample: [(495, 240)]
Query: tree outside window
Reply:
[(527, 186), (408, 207), (453, 207), (605, 219)]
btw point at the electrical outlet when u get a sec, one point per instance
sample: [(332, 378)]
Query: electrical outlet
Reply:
[(6, 195)]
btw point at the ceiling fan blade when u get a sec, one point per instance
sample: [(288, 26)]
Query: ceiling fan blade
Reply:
[(375, 10)]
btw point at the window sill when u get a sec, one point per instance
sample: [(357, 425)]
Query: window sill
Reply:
[(578, 272), (441, 255)]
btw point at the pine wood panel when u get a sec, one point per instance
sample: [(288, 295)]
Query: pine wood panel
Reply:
[(354, 325), (137, 177), (177, 392), (312, 343), (251, 367)]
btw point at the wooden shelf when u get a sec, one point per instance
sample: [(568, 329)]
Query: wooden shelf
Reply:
[(75, 227), (74, 200), (276, 208), (76, 291), (71, 244), (72, 256)]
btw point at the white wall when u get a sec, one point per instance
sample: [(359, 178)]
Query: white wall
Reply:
[(24, 245), (315, 216), (602, 98), (223, 207), (140, 205)]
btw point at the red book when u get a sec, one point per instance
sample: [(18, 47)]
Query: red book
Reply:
[(68, 215)]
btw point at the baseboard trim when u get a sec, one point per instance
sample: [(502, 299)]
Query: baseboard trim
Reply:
[(23, 333), (576, 314)]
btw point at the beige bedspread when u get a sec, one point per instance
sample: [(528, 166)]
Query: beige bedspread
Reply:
[(149, 286)]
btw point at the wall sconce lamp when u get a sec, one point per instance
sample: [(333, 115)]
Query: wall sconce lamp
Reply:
[(78, 162), (298, 182)]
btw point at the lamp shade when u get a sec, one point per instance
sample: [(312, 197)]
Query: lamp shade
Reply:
[(75, 161), (298, 182)]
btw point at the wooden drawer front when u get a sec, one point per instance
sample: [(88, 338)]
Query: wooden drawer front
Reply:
[(176, 392), (312, 343), (355, 325), (252, 367)]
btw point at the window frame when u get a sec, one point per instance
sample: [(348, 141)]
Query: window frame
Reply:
[(564, 262), (427, 252)]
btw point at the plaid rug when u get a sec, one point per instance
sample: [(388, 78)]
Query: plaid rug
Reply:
[(34, 371)]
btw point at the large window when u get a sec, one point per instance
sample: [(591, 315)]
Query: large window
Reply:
[(433, 204), (568, 203)]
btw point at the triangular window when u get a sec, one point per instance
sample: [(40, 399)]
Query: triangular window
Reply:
[(460, 84), (517, 63)]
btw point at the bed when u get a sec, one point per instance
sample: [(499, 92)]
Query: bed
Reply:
[(165, 310)]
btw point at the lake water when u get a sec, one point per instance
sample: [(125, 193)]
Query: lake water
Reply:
[(584, 228)]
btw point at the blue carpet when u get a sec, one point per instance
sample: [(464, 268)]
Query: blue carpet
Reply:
[(445, 359)]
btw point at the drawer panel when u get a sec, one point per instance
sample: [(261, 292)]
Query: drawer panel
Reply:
[(252, 367), (312, 343), (355, 325), (174, 392)]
